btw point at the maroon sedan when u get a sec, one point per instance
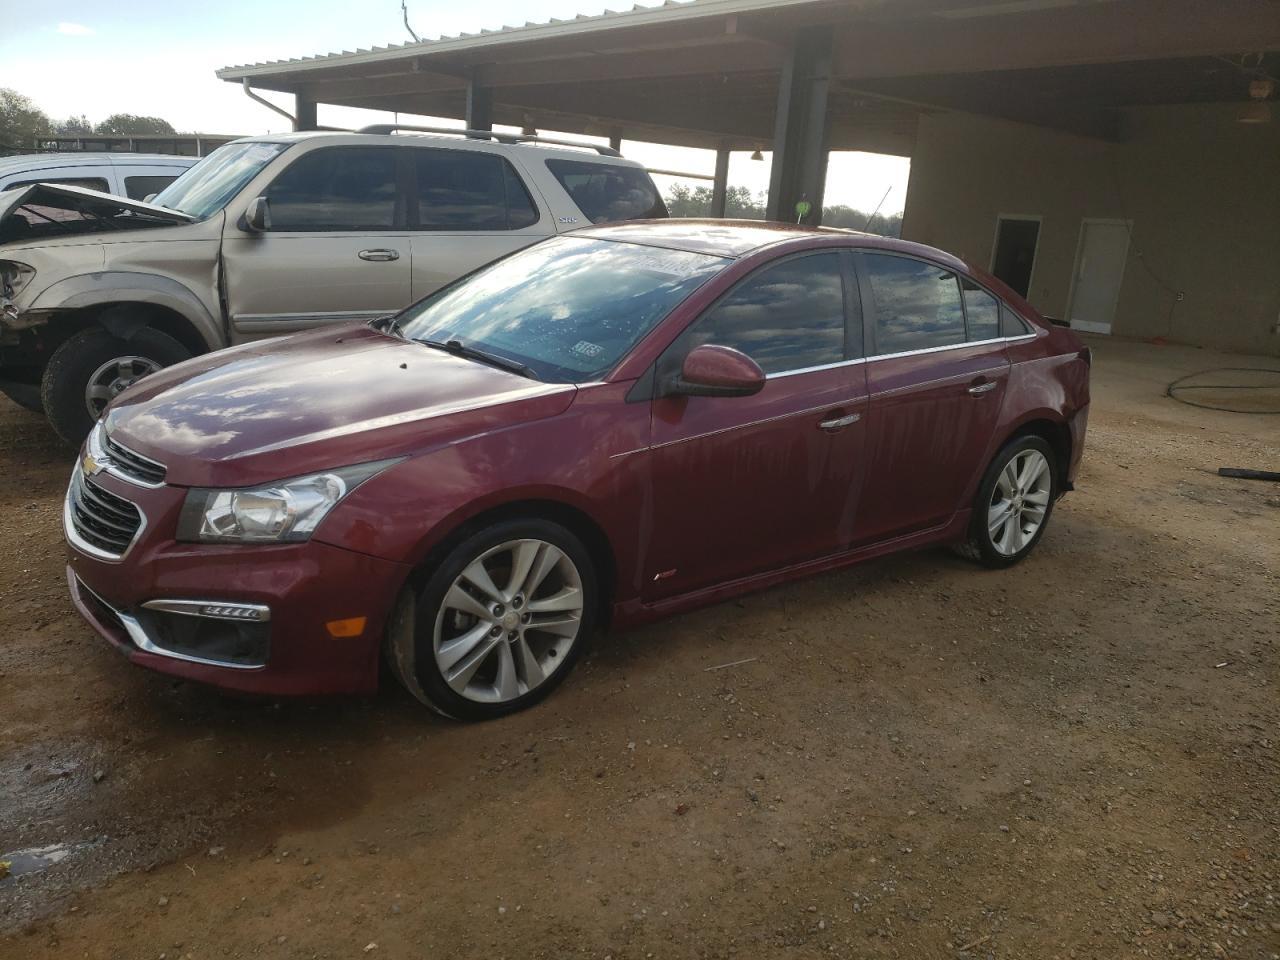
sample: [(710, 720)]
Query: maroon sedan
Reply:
[(610, 426)]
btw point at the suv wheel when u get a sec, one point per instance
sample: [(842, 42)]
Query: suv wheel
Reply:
[(88, 370), (501, 621)]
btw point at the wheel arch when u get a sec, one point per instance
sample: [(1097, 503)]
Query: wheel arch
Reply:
[(1055, 432), (570, 516)]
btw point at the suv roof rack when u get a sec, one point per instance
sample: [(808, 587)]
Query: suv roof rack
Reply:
[(388, 128)]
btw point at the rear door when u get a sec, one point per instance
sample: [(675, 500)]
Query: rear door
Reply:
[(742, 485), (337, 247), (936, 373), (467, 207)]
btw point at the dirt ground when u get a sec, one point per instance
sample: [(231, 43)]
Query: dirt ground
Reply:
[(1076, 758)]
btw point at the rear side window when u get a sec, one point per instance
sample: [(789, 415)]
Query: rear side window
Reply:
[(917, 304), (982, 311), (340, 188), (607, 192), (469, 190), (141, 187), (788, 316), (1012, 325), (89, 183)]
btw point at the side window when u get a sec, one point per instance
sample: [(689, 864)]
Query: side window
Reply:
[(788, 316), (607, 192), (917, 304), (141, 187), (1012, 325), (337, 188), (89, 183), (469, 190), (983, 311)]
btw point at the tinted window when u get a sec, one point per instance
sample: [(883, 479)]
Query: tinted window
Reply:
[(1012, 325), (345, 188), (139, 188), (569, 307), (917, 304), (982, 310), (788, 316), (89, 183), (606, 192), (469, 190)]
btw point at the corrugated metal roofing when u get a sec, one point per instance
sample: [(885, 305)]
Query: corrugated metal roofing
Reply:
[(668, 11)]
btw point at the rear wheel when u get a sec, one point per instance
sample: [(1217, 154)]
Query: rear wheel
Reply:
[(92, 367), (1014, 503), (501, 621)]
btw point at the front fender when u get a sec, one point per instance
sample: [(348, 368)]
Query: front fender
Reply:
[(111, 287)]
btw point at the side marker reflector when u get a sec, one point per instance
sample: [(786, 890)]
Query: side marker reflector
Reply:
[(351, 627)]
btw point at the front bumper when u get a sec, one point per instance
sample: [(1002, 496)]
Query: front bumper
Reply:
[(283, 650)]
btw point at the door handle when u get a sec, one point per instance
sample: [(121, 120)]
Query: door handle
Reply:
[(979, 389), (379, 256), (839, 423)]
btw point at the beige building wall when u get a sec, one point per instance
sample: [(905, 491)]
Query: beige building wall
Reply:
[(1201, 190)]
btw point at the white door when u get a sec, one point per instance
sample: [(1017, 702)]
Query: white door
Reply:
[(1095, 290)]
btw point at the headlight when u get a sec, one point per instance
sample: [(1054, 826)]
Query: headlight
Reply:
[(283, 512), (13, 277)]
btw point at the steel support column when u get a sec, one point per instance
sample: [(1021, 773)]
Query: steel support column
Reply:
[(615, 140), (800, 129), (304, 113), (479, 106), (720, 184)]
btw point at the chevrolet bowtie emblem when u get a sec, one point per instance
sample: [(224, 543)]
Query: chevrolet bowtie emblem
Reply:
[(91, 466)]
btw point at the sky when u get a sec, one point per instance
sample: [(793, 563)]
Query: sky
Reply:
[(158, 57)]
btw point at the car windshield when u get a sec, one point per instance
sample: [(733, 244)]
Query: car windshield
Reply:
[(568, 309), (207, 187)]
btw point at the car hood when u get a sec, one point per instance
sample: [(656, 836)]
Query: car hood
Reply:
[(282, 408), (77, 211)]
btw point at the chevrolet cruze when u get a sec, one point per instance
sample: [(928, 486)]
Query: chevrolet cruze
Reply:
[(607, 427)]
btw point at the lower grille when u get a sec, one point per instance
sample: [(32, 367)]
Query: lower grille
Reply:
[(100, 518)]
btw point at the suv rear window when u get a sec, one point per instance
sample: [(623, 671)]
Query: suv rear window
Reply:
[(468, 190), (607, 192)]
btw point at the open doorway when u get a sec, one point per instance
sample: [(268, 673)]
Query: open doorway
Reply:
[(1013, 258), (1099, 272)]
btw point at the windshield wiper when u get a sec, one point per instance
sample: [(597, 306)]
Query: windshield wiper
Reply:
[(460, 349)]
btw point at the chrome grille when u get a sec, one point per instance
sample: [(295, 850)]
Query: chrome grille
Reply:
[(100, 518), (133, 465)]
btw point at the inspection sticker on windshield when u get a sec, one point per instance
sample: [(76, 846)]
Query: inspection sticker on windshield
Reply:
[(585, 348)]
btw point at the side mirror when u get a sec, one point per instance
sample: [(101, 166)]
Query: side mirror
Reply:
[(258, 217), (715, 371)]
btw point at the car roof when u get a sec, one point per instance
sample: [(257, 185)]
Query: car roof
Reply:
[(443, 140), (54, 161), (738, 238)]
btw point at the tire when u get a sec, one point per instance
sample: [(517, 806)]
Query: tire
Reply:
[(1026, 500), (25, 395), (86, 357), (476, 652)]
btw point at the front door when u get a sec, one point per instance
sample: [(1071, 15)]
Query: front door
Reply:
[(336, 248), (747, 484), (936, 373), (1100, 261)]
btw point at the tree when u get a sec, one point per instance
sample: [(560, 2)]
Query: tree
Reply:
[(21, 121), (739, 204), (126, 124), (74, 127)]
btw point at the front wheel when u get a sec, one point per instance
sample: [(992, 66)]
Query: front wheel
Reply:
[(1014, 502), (90, 368), (502, 620)]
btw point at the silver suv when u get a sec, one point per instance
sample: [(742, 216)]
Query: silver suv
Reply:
[(269, 235)]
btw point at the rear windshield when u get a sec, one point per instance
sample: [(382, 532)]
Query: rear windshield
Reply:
[(607, 192)]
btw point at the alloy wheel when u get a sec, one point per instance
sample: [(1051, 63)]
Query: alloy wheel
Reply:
[(113, 378), (508, 621), (1019, 502)]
